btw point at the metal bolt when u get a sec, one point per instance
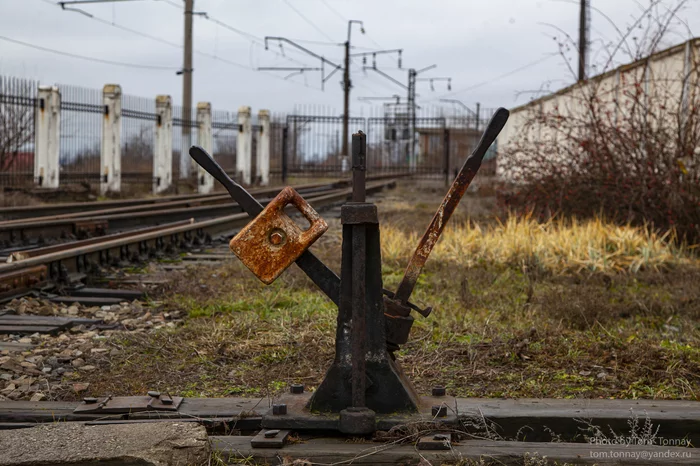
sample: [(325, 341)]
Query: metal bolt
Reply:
[(279, 409), (90, 400), (439, 411), (438, 390), (271, 433), (277, 237), (296, 388), (154, 394)]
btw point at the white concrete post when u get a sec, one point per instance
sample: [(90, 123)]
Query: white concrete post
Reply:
[(263, 166), (163, 153), (47, 137), (111, 155), (244, 145), (205, 182)]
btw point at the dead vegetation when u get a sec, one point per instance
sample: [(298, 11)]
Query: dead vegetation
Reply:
[(531, 326)]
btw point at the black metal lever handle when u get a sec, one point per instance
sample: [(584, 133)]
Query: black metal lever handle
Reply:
[(251, 205), (498, 121)]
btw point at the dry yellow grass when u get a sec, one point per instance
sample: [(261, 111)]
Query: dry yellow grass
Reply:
[(556, 246)]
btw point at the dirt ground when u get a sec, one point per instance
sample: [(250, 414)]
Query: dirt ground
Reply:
[(498, 329)]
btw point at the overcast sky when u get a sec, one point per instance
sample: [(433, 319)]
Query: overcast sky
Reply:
[(496, 51)]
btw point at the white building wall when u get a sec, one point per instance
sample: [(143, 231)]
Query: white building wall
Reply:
[(662, 77)]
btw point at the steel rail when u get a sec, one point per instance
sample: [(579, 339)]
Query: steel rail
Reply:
[(26, 212), (20, 234), (35, 252), (167, 236), (144, 209)]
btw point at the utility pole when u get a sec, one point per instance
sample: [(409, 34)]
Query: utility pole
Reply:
[(346, 83), (583, 30), (346, 88), (412, 80), (185, 163), (346, 97), (412, 74)]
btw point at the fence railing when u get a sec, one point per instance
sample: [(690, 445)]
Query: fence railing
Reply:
[(430, 144)]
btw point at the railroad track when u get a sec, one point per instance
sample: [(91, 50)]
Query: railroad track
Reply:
[(45, 252)]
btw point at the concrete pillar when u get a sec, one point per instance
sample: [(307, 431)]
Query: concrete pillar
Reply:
[(47, 134), (205, 182), (263, 165), (163, 152), (111, 155), (244, 148)]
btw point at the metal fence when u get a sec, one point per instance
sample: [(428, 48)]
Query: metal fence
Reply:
[(225, 135), (18, 103), (279, 136), (137, 140), (81, 134), (315, 144), (184, 136), (432, 143)]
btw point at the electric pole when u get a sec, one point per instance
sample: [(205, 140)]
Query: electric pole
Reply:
[(346, 97), (185, 162), (583, 31), (346, 83), (346, 88), (412, 80)]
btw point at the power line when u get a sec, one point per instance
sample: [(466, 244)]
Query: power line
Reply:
[(171, 3), (496, 78), (93, 59), (308, 21), (179, 46)]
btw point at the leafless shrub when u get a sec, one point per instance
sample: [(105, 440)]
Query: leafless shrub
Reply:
[(16, 122), (625, 144)]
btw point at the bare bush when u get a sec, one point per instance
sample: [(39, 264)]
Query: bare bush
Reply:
[(16, 121), (137, 151), (625, 144)]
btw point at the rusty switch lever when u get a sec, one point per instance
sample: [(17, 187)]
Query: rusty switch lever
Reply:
[(317, 271), (448, 206), (312, 266)]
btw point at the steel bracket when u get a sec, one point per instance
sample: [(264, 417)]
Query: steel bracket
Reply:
[(272, 438), (435, 441), (129, 404)]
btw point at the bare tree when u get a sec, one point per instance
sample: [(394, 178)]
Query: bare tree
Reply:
[(622, 144), (16, 120)]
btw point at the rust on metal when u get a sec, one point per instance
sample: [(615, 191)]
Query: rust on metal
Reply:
[(92, 227), (128, 404), (432, 234), (25, 278), (273, 241), (447, 207)]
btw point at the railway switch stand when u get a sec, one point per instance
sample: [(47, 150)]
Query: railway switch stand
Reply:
[(364, 388)]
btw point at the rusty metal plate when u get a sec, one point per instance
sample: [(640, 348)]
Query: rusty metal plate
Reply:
[(436, 441), (270, 438), (25, 278), (272, 241), (126, 404)]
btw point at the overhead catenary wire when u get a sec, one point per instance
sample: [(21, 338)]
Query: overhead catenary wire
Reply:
[(180, 46), (92, 59), (307, 20), (496, 78)]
